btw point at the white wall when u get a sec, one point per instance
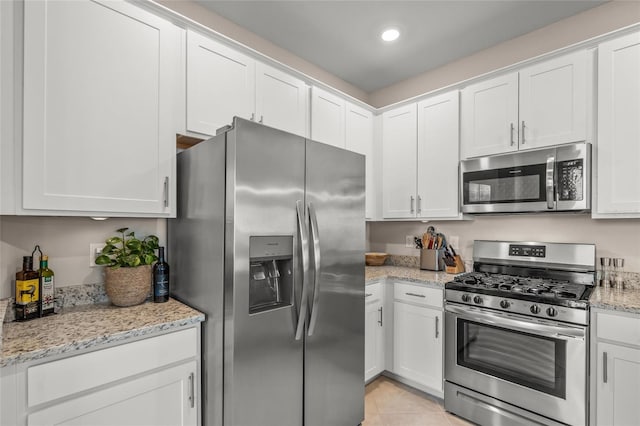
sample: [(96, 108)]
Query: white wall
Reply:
[(66, 241), (613, 238)]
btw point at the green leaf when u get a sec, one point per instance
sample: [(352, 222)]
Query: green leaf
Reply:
[(149, 259), (114, 240), (134, 244), (108, 249), (103, 260)]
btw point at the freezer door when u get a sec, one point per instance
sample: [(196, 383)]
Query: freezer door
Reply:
[(334, 347), (263, 360)]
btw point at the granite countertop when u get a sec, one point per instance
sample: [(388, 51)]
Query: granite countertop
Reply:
[(624, 300), (82, 327), (408, 274)]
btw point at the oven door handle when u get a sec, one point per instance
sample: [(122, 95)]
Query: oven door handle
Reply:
[(530, 327)]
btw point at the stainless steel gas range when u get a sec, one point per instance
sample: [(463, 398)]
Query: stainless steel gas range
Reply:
[(516, 335)]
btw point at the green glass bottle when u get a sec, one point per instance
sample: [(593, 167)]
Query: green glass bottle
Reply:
[(47, 287)]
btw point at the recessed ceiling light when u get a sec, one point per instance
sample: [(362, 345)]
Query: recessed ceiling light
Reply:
[(390, 34)]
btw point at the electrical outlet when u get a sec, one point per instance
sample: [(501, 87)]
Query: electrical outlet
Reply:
[(454, 241), (408, 241), (94, 251)]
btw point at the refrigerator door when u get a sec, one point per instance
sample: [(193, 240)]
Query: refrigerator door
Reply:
[(334, 347), (263, 360)]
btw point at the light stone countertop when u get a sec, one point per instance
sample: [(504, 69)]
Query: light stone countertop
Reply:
[(86, 326), (406, 273), (623, 300)]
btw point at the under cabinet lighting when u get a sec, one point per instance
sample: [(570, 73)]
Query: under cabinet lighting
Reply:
[(390, 34)]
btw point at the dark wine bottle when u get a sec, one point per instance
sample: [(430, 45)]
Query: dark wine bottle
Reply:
[(27, 294), (160, 278)]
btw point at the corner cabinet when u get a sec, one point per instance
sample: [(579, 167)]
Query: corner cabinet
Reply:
[(616, 368), (100, 88), (420, 159), (540, 105), (374, 330), (617, 153), (359, 138), (417, 335)]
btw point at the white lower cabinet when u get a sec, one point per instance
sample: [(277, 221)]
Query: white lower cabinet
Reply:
[(374, 331), (617, 369), (417, 335), (153, 381)]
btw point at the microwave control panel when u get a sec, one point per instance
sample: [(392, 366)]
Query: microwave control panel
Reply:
[(570, 180), (527, 250)]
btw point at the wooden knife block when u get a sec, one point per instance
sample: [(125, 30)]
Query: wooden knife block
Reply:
[(456, 269)]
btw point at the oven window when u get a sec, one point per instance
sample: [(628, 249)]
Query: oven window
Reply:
[(514, 184), (526, 359)]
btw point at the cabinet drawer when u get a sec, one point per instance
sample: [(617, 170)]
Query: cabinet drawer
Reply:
[(417, 294), (373, 292), (46, 382), (620, 328)]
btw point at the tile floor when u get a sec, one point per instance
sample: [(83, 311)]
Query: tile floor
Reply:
[(389, 403)]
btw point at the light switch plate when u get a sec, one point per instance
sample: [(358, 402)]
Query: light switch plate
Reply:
[(94, 251), (408, 241)]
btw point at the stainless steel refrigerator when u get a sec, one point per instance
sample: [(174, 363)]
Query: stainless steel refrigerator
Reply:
[(269, 243)]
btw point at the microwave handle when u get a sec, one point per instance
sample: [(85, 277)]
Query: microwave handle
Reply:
[(551, 162)]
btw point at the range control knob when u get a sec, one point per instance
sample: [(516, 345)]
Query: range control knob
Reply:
[(504, 304), (466, 298), (552, 312), (534, 309), (477, 300)]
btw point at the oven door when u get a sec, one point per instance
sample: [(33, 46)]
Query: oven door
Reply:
[(534, 364), (519, 182)]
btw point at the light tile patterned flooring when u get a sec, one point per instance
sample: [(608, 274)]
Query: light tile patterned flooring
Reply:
[(389, 403)]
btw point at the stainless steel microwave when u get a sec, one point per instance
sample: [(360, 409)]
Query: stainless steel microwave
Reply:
[(542, 180)]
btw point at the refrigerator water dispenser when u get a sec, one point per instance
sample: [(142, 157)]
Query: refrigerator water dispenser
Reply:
[(270, 272)]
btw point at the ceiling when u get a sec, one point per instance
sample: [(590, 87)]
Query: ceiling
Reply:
[(342, 37)]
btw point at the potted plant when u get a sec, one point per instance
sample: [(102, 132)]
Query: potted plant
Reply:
[(128, 263)]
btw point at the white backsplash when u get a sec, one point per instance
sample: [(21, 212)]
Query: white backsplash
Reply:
[(66, 241), (612, 237)]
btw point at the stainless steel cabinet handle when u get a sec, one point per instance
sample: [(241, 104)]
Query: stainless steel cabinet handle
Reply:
[(419, 204), (523, 139), (511, 134), (304, 247), (368, 294), (437, 331), (604, 367), (380, 320), (316, 260), (166, 191), (192, 393), (416, 295), (412, 201), (551, 161)]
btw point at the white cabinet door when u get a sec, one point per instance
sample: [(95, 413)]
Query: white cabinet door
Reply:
[(438, 138), (399, 138), (327, 118), (618, 149), (553, 101), (281, 100), (167, 397), (618, 385), (100, 85), (359, 138), (489, 115), (220, 84), (373, 339), (417, 334)]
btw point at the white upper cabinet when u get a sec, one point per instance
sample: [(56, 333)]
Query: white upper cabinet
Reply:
[(617, 153), (223, 83), (489, 117), (540, 105), (220, 84), (100, 85), (327, 117), (359, 138), (438, 140), (553, 101), (281, 100), (399, 139)]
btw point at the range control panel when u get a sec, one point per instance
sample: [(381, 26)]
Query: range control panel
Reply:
[(527, 251)]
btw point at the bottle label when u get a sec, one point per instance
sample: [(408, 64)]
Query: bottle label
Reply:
[(161, 287), (27, 292), (47, 293)]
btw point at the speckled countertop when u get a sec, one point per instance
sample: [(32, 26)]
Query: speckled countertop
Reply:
[(408, 274), (625, 300), (85, 326)]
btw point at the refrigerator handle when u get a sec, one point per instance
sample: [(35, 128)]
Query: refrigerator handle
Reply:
[(316, 268), (304, 246)]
